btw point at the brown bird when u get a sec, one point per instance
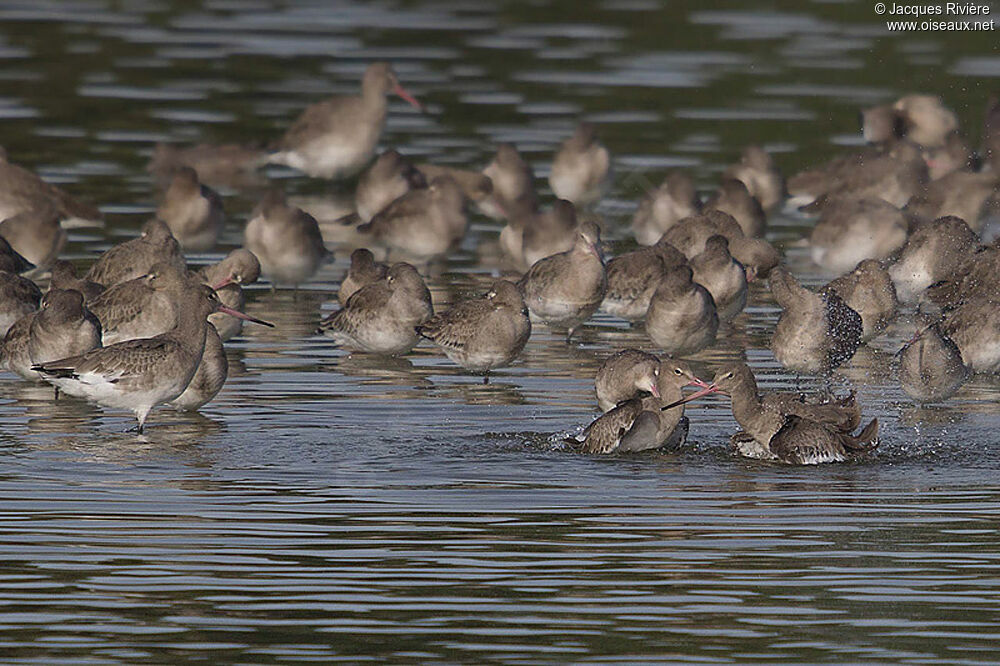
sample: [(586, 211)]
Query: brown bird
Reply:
[(634, 276), (228, 277), (674, 200), (682, 318), (855, 230), (546, 233), (974, 326), (193, 211), (381, 317), (815, 333), (931, 367), (11, 261), (22, 191), (640, 424), (475, 187), (786, 427), (18, 297), (363, 271), (925, 119), (143, 307), (581, 170), (734, 197), (763, 179), (934, 251), (336, 138), (64, 277), (62, 327), (513, 184), (963, 194), (134, 258), (139, 374), (223, 164), (209, 378), (690, 235), (389, 177), (286, 240), (483, 333), (36, 235), (625, 375), (868, 290), (422, 224), (723, 277), (894, 173), (976, 276), (564, 290)]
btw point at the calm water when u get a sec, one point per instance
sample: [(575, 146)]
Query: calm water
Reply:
[(332, 508)]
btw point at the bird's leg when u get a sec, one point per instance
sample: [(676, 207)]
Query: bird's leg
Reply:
[(486, 378), (57, 393)]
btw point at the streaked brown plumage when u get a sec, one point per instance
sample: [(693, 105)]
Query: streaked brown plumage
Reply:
[(139, 374), (143, 307), (565, 289), (381, 317), (134, 258), (963, 194), (634, 276), (483, 333), (640, 424), (64, 277), (789, 428)]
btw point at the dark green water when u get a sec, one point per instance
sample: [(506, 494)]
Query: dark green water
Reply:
[(327, 508)]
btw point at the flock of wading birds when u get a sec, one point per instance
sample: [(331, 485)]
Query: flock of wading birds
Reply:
[(900, 218)]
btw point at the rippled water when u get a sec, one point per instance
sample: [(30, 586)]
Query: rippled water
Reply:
[(332, 508)]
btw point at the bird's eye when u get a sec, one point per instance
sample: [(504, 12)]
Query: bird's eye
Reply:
[(728, 375), (656, 372), (678, 371)]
